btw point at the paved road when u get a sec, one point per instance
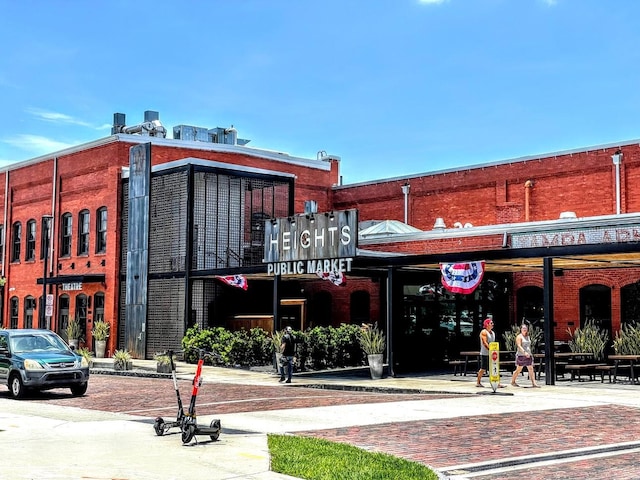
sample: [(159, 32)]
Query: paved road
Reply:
[(569, 431)]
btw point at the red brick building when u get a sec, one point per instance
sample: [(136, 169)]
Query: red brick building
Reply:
[(207, 181)]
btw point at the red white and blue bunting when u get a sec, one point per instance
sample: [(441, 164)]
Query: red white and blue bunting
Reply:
[(336, 277), (462, 277), (239, 281)]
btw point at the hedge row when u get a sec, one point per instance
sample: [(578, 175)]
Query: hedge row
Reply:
[(319, 348)]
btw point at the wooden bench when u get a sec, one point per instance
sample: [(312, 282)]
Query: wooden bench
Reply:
[(458, 366), (587, 368), (604, 369)]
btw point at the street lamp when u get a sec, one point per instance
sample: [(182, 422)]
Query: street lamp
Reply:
[(46, 223)]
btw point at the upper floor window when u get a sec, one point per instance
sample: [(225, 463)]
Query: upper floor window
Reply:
[(101, 230), (45, 244), (83, 232), (16, 241), (30, 253), (66, 233)]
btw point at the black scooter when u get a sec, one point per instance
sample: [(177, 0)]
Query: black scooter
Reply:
[(189, 425), (160, 426)]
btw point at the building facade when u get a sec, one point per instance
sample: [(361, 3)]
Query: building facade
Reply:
[(68, 220)]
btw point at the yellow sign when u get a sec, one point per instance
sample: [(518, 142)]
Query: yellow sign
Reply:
[(494, 364)]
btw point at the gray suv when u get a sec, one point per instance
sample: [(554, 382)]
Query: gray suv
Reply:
[(35, 359)]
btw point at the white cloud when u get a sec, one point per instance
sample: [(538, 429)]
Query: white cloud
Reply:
[(432, 2), (36, 144), (62, 118)]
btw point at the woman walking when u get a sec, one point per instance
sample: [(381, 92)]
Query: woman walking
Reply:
[(524, 358)]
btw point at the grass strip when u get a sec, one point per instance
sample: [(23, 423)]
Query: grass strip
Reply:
[(317, 459)]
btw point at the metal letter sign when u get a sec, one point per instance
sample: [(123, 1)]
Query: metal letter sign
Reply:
[(494, 365), (311, 243)]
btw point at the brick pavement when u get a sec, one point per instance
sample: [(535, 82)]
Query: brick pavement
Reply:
[(443, 443), (151, 397), (465, 440)]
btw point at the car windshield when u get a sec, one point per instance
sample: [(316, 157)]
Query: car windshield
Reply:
[(36, 342)]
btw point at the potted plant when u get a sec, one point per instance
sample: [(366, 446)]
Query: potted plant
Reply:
[(100, 334), (74, 332), (163, 363), (122, 360), (373, 341), (590, 339), (86, 354)]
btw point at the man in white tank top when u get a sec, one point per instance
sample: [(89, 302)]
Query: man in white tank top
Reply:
[(487, 335)]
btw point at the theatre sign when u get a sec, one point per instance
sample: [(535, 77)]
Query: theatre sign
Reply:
[(311, 243)]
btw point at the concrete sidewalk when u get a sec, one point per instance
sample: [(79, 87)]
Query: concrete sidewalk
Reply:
[(95, 444)]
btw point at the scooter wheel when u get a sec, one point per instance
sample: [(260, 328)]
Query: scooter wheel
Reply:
[(215, 424), (188, 431), (158, 426)]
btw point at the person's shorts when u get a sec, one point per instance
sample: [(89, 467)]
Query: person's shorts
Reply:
[(484, 362), (523, 361)]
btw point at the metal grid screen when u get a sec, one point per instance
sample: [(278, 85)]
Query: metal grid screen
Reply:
[(229, 215), (229, 212)]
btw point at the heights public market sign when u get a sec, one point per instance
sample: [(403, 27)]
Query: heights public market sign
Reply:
[(311, 243)]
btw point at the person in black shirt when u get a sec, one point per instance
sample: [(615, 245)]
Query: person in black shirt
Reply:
[(288, 351)]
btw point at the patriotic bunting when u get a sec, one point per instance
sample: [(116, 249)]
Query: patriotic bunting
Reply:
[(462, 277), (335, 277), (239, 281)]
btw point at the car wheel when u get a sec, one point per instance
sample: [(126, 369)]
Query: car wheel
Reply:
[(79, 390), (16, 387), (158, 426), (215, 424)]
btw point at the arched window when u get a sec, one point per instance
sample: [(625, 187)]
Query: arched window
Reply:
[(101, 230), (63, 313), (30, 252), (320, 309), (98, 307), (29, 310), (360, 307), (14, 309), (16, 241), (530, 304), (595, 306), (81, 313), (630, 303), (66, 234), (83, 232)]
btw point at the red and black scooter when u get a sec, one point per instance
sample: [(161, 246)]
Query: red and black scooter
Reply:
[(189, 425)]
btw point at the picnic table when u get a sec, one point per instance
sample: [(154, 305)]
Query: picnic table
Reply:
[(629, 360)]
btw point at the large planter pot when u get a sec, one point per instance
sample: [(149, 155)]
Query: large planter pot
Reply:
[(101, 346), (376, 365), (119, 365), (163, 368)]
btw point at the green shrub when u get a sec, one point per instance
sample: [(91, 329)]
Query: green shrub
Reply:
[(372, 340), (627, 339), (316, 349), (589, 339)]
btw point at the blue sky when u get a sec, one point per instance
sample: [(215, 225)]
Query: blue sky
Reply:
[(393, 87)]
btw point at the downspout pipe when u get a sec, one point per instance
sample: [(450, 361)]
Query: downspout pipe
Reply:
[(405, 191), (617, 159), (527, 194)]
